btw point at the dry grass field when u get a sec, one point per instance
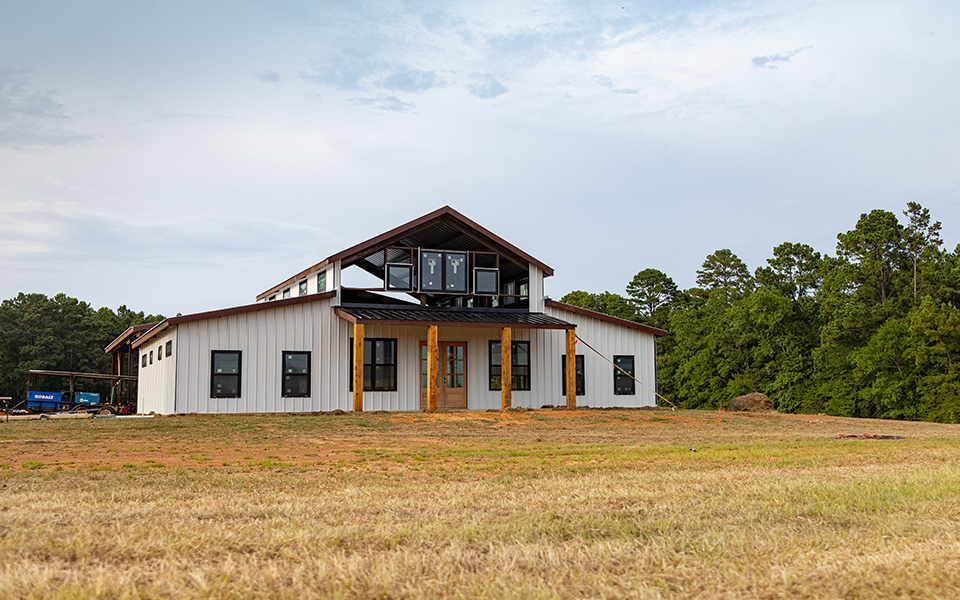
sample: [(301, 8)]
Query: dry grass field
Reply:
[(541, 504)]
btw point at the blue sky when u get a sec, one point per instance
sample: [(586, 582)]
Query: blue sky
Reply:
[(179, 157)]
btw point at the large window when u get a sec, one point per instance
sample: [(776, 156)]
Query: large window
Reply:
[(379, 364), (519, 366), (225, 374), (581, 379), (443, 272), (296, 374), (622, 382)]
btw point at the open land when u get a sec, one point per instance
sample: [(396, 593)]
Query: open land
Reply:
[(537, 504)]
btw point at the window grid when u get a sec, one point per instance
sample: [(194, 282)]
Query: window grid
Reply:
[(623, 385), (225, 371), (379, 364), (296, 374), (519, 366)]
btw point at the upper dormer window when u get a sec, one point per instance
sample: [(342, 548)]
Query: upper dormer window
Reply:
[(322, 281), (303, 288)]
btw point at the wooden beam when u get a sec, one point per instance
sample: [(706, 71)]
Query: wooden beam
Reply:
[(432, 350), (571, 369), (506, 370), (358, 367)]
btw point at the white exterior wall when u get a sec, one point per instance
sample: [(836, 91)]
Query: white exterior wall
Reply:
[(535, 288), (262, 337), (609, 339), (156, 382)]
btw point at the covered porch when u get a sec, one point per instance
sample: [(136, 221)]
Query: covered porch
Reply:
[(443, 361)]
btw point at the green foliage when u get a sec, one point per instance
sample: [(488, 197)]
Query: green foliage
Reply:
[(871, 332), (606, 303), (57, 334)]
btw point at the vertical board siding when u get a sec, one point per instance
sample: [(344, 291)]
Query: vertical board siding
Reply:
[(609, 339), (263, 336), (157, 382)]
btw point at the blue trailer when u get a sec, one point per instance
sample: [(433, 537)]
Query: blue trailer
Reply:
[(46, 402)]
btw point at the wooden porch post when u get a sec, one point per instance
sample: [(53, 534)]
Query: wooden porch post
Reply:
[(432, 391), (358, 367), (571, 368), (506, 370)]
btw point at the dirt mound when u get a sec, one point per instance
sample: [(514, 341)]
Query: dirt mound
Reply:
[(755, 402)]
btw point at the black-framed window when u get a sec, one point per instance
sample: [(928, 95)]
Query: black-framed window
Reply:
[(159, 352), (286, 293), (144, 357), (168, 348), (271, 298), (581, 378), (296, 374), (444, 272), (322, 281), (151, 357), (399, 277), (379, 364), (225, 367), (486, 282), (623, 384), (303, 288), (519, 366)]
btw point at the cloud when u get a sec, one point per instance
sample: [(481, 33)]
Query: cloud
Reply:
[(31, 118), (767, 62), (405, 79), (485, 86), (269, 76), (389, 103), (607, 82)]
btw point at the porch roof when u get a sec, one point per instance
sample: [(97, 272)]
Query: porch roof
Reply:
[(378, 314)]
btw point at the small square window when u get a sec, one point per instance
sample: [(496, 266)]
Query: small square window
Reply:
[(272, 298), (486, 282), (399, 278), (286, 293), (303, 288)]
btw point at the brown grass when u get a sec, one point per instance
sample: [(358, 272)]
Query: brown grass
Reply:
[(543, 504)]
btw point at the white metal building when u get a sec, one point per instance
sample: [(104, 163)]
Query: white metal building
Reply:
[(451, 290)]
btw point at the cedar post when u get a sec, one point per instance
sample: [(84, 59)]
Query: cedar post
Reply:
[(432, 349), (358, 367), (506, 369), (571, 368)]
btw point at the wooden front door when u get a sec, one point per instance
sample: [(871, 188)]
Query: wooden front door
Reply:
[(451, 375)]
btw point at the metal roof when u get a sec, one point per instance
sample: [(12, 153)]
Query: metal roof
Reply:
[(373, 314)]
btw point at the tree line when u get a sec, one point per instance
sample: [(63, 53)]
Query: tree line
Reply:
[(871, 332), (58, 334)]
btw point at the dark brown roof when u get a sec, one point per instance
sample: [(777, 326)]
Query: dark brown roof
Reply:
[(226, 312), (131, 332), (448, 317), (609, 319), (443, 229)]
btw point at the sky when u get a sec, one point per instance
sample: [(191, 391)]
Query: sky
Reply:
[(177, 157)]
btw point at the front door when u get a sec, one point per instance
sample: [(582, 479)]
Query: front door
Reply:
[(451, 375)]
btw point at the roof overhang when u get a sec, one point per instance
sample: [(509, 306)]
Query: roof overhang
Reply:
[(602, 317), (226, 312), (424, 316), (130, 334)]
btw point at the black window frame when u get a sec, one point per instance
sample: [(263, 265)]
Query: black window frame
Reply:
[(289, 376), (168, 348), (371, 368), (477, 272), (160, 352), (581, 374), (519, 374), (285, 294), (151, 357), (214, 376), (302, 288), (144, 360), (322, 281), (619, 377), (387, 277)]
